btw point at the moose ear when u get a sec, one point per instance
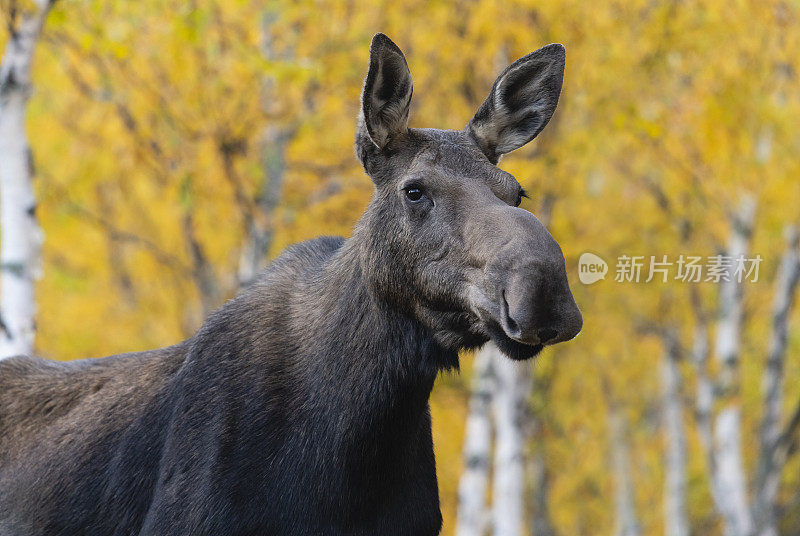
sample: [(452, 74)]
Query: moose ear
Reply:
[(521, 102), (386, 97)]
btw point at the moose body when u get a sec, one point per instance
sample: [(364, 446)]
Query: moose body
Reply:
[(301, 406)]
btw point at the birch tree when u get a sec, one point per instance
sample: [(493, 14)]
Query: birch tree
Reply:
[(541, 524), (676, 522), (21, 238), (472, 487), (704, 394), (627, 522), (500, 392), (274, 144), (771, 457), (259, 231), (509, 404), (731, 479)]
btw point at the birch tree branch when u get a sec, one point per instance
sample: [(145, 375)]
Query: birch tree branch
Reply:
[(115, 233), (785, 443), (203, 274)]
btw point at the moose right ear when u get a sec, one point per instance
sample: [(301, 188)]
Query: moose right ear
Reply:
[(521, 102), (386, 98)]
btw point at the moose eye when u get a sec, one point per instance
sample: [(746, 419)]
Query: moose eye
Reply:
[(522, 193), (414, 194)]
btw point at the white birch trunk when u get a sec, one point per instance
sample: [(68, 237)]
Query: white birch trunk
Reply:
[(20, 242), (512, 389), (676, 522), (770, 465), (731, 480), (704, 404), (538, 474), (472, 517), (625, 506)]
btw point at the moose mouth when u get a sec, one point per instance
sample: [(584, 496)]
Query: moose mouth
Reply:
[(502, 334), (516, 350), (492, 326)]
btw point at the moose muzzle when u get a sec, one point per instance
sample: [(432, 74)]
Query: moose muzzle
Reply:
[(525, 280)]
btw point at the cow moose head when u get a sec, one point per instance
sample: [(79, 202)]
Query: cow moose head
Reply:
[(448, 241)]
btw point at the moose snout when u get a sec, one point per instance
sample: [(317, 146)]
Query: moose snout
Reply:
[(529, 282), (525, 294)]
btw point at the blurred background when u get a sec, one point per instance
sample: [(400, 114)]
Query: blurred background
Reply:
[(154, 155)]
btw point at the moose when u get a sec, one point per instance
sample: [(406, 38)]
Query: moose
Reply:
[(301, 406)]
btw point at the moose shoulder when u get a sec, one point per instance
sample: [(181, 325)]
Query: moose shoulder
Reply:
[(301, 406)]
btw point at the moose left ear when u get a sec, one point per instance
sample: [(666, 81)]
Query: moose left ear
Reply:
[(386, 98), (521, 102)]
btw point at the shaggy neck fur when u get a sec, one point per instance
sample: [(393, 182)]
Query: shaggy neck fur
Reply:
[(325, 389)]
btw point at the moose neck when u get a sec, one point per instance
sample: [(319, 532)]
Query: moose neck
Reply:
[(381, 360)]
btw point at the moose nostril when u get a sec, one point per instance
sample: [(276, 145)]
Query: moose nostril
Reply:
[(510, 324), (546, 335)]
